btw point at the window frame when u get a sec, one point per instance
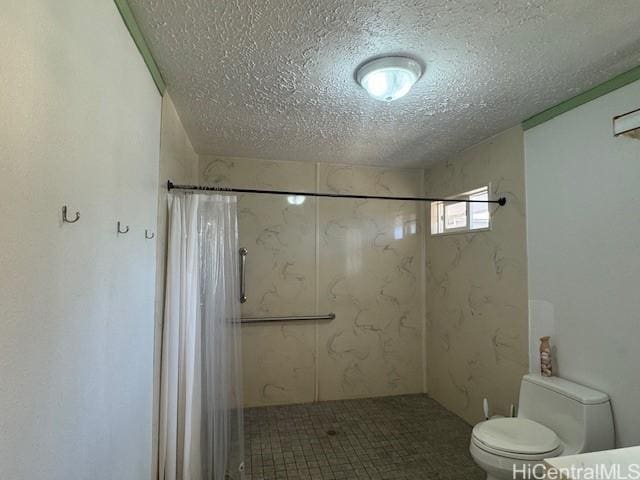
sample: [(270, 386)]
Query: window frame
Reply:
[(456, 199)]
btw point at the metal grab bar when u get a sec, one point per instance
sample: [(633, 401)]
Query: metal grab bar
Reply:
[(243, 279), (292, 318)]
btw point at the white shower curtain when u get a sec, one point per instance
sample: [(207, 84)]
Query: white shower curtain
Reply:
[(201, 422)]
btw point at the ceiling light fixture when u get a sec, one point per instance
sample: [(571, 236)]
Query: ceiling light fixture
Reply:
[(389, 78)]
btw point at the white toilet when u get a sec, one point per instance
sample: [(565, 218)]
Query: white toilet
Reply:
[(555, 417)]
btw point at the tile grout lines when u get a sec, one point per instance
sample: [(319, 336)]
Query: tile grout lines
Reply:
[(404, 437)]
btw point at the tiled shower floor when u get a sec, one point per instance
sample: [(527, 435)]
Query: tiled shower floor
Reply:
[(404, 437)]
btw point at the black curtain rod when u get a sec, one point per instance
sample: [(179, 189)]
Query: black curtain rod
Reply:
[(171, 186)]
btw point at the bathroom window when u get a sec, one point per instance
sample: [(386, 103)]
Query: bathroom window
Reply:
[(455, 217)]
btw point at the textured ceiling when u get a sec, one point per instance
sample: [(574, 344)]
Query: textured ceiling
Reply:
[(275, 78)]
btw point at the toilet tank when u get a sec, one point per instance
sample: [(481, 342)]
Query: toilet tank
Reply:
[(580, 416)]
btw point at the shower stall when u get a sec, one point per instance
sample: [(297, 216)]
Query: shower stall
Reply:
[(360, 259), (329, 277)]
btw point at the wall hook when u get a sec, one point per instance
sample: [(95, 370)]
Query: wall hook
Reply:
[(64, 216), (126, 229), (147, 236)]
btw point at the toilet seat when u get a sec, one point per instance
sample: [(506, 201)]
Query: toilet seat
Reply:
[(517, 438)]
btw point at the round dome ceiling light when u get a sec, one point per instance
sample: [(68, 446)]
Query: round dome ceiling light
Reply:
[(389, 78)]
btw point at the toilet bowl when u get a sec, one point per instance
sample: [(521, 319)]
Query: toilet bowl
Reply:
[(556, 417), (507, 445)]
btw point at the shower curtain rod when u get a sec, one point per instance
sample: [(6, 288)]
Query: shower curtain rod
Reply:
[(203, 188)]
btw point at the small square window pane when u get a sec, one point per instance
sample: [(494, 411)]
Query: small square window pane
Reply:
[(479, 212), (455, 216), (437, 218)]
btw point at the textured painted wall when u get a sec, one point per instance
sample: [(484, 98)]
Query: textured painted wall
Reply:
[(477, 285), (360, 259), (79, 126), (179, 163), (583, 234)]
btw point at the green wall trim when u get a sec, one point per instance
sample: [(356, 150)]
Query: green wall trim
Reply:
[(584, 97), (138, 39)]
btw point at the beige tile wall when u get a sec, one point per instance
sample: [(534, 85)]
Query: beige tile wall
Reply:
[(278, 359), (359, 259), (477, 285), (370, 276), (365, 261)]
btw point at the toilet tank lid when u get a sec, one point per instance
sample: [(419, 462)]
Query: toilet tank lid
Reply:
[(579, 393)]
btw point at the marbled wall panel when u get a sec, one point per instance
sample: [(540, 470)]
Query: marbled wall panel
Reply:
[(370, 271), (279, 359), (477, 285), (370, 276)]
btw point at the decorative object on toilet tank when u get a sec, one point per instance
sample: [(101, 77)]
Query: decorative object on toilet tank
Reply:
[(546, 368)]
